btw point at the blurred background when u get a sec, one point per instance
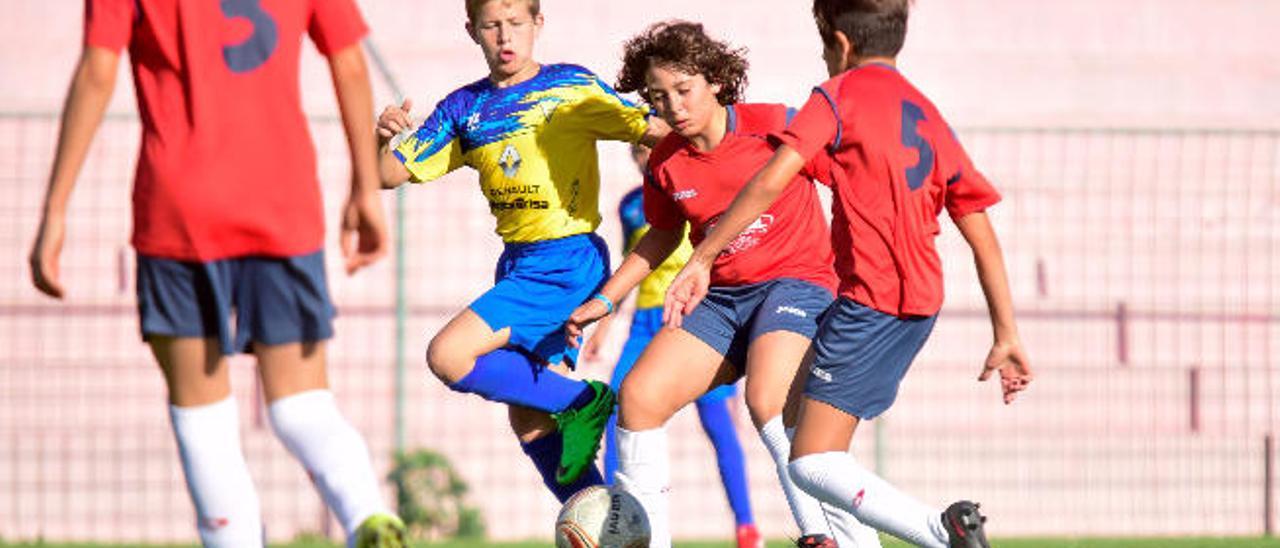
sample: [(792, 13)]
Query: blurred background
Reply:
[(1137, 144)]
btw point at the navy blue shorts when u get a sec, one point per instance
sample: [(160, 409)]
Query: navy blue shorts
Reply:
[(861, 356), (538, 285), (730, 318), (274, 300)]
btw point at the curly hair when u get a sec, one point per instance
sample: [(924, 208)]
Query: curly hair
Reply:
[(684, 46)]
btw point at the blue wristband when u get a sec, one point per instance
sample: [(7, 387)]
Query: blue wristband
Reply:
[(600, 297)]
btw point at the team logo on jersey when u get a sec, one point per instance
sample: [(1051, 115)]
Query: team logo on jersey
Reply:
[(510, 161), (750, 236), (473, 122), (682, 195), (549, 107)]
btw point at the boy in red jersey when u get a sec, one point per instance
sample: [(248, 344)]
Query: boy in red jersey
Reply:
[(228, 217), (768, 289), (896, 165)]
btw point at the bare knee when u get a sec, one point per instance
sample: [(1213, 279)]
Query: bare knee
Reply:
[(763, 404), (446, 361), (641, 407)]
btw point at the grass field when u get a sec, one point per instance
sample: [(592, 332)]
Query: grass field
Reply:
[(999, 543)]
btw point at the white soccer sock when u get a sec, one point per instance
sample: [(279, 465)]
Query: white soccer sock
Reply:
[(227, 509), (847, 530), (334, 454), (644, 470), (810, 516), (837, 479)]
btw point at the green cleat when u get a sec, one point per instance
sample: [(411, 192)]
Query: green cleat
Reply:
[(381, 531), (581, 430)]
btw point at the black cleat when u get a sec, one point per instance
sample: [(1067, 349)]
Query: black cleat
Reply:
[(816, 541), (965, 525)]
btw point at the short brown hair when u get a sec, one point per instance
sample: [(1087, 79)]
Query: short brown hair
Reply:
[(684, 46), (877, 28), (473, 7)]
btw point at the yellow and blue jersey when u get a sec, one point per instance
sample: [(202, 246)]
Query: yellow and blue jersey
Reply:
[(653, 289), (534, 145)]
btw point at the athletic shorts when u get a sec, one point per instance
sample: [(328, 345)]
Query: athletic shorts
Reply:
[(538, 285), (729, 319), (861, 356), (271, 300), (645, 324)]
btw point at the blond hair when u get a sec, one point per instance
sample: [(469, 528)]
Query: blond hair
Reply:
[(473, 7)]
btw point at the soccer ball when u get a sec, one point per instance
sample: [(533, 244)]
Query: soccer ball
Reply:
[(598, 517)]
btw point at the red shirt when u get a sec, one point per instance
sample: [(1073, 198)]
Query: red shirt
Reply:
[(227, 167), (897, 164), (790, 240)]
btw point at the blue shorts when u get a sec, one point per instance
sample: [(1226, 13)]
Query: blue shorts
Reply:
[(274, 300), (645, 324), (861, 355), (729, 319), (538, 285)]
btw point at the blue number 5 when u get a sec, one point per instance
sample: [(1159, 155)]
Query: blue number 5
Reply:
[(912, 115), (255, 51)]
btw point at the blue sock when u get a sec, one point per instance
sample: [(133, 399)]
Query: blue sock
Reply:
[(507, 376), (545, 454), (718, 425), (611, 448)]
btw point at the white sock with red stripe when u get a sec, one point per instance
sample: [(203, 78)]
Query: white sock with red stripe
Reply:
[(227, 508), (644, 471), (837, 479), (334, 454), (847, 530)]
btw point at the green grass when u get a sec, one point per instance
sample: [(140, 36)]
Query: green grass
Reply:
[(999, 543)]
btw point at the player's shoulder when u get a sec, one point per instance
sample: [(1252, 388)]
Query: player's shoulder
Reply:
[(665, 149), (760, 118), (463, 97)]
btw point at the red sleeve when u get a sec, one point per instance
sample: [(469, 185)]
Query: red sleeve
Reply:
[(108, 23), (659, 209), (967, 190), (816, 126), (335, 24)]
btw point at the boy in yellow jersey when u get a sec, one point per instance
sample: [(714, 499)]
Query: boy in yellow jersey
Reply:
[(530, 130)]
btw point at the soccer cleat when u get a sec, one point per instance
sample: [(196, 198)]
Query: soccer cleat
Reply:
[(749, 536), (581, 430), (965, 526), (816, 541), (382, 531)]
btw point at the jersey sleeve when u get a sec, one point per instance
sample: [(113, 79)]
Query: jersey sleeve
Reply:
[(659, 209), (335, 24), (606, 116), (967, 190), (108, 24), (433, 150), (816, 126)]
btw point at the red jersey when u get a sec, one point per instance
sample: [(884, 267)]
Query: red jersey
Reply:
[(790, 240), (897, 164), (227, 167)]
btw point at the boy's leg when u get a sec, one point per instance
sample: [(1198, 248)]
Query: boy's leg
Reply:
[(543, 444), (673, 371), (717, 423), (307, 421), (206, 427)]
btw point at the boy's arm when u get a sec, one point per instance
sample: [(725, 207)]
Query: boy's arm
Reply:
[(1006, 355), (363, 234), (656, 130), (691, 284), (87, 99), (392, 121), (651, 251)]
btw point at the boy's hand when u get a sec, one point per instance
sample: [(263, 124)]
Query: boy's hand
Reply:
[(44, 257), (686, 291), (1013, 365), (395, 119), (586, 314), (364, 230)]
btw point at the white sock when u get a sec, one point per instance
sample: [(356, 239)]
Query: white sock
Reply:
[(806, 509), (334, 454), (227, 509), (837, 479), (644, 470), (846, 529)]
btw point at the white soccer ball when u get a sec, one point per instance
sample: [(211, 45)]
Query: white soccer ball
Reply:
[(598, 517)]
